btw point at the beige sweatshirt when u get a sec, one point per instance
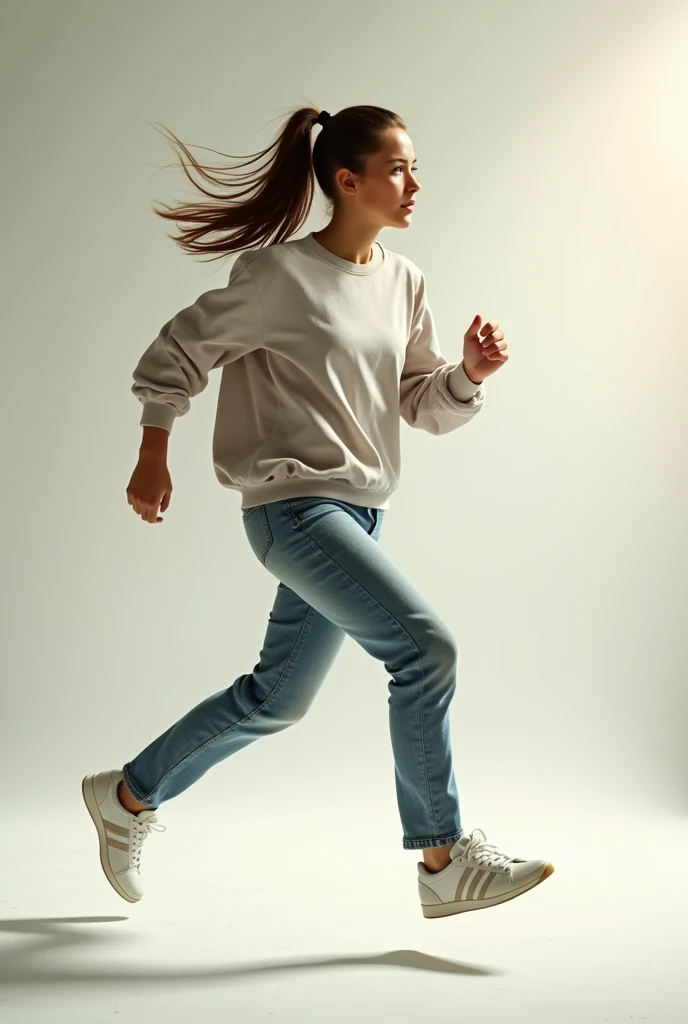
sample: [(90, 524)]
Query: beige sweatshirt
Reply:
[(321, 359)]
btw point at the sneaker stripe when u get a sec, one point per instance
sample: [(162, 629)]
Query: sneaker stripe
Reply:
[(478, 880), (117, 829), (475, 887), (465, 875), (491, 875), (118, 846)]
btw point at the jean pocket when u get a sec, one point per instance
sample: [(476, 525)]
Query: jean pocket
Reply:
[(258, 531)]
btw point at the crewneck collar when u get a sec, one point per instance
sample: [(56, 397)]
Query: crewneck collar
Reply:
[(351, 268)]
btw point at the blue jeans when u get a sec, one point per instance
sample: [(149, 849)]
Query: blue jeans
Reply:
[(334, 581)]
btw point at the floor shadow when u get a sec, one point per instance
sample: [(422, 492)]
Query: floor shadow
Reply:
[(29, 963)]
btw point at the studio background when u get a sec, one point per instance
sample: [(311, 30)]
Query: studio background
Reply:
[(552, 146)]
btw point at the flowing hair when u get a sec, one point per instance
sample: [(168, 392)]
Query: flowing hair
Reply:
[(279, 192)]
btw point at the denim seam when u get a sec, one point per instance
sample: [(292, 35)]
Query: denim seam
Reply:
[(268, 535), (270, 699), (407, 636)]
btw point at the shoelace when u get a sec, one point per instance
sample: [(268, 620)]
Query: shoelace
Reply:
[(484, 853), (142, 829)]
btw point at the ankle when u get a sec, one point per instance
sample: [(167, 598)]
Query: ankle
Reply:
[(127, 800), (437, 858)]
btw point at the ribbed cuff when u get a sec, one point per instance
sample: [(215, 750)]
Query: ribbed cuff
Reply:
[(462, 388), (158, 414)]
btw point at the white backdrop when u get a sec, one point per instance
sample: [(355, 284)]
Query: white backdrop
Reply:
[(551, 532), (552, 149)]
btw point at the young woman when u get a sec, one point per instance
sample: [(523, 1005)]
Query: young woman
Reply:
[(326, 342)]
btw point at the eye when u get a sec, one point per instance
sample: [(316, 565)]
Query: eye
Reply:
[(400, 168)]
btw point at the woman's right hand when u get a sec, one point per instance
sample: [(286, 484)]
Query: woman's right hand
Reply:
[(150, 487)]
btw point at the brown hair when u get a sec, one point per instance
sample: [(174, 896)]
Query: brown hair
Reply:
[(284, 188)]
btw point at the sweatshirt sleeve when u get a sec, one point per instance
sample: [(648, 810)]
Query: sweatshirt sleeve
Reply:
[(435, 395), (220, 327)]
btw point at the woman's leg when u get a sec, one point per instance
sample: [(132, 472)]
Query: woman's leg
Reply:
[(334, 580), (299, 649), (316, 547)]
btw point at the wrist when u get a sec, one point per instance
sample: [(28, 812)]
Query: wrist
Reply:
[(472, 377), (154, 442)]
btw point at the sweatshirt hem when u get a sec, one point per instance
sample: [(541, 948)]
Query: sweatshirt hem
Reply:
[(283, 491)]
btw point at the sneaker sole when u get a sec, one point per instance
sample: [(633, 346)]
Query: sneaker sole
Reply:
[(93, 809), (463, 906)]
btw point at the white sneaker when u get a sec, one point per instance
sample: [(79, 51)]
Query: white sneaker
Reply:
[(479, 876), (121, 833)]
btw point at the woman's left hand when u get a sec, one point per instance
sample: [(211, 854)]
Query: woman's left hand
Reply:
[(484, 350)]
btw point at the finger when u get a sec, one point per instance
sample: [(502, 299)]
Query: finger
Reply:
[(474, 330), (166, 501), (489, 327), (496, 351)]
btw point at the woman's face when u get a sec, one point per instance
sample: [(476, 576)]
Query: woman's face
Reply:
[(389, 182)]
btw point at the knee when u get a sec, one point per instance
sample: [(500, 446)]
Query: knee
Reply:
[(280, 716), (271, 707), (434, 651), (443, 653), (444, 643)]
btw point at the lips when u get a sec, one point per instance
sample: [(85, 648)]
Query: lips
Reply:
[(406, 206)]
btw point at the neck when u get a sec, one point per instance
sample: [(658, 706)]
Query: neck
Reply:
[(348, 241)]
